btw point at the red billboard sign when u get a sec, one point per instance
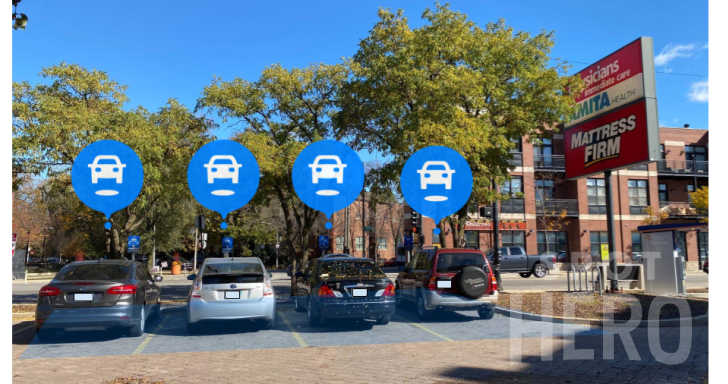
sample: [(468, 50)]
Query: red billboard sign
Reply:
[(487, 225), (615, 81), (615, 125), (615, 140)]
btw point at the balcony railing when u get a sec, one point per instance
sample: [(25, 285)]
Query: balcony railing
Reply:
[(682, 167), (569, 207), (548, 161), (681, 209), (516, 159)]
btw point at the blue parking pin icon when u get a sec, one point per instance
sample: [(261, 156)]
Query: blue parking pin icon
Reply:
[(223, 176), (436, 181)]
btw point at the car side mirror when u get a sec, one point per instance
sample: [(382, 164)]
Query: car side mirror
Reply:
[(299, 274), (157, 278), (191, 277), (270, 274)]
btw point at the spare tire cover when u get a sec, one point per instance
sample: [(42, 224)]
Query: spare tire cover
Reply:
[(473, 282)]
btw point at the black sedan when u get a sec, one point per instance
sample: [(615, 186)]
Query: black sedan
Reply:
[(98, 294), (344, 287)]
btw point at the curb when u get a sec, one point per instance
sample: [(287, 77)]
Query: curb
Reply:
[(24, 315), (695, 321)]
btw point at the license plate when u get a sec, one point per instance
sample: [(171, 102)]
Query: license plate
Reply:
[(232, 294), (358, 292), (444, 284), (83, 297)]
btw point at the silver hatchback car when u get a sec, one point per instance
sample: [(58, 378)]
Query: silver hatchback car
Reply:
[(231, 288)]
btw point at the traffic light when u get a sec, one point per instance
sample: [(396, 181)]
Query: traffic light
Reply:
[(415, 229), (486, 211), (414, 216)]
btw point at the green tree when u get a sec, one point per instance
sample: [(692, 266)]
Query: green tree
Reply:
[(452, 83), (281, 113), (700, 200)]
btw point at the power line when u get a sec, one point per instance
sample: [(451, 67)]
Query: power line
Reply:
[(662, 72)]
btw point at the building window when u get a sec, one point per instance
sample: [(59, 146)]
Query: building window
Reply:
[(382, 243), (513, 187), (544, 189), (597, 239), (638, 196), (471, 239), (554, 242), (542, 154), (703, 246), (596, 196), (359, 243), (636, 247), (513, 239), (339, 243), (358, 216), (662, 192), (516, 152), (690, 189)]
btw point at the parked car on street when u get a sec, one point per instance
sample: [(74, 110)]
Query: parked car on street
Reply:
[(515, 259), (99, 293), (450, 279), (230, 289), (351, 287)]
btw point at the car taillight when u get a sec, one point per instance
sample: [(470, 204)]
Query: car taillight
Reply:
[(122, 290), (493, 283), (432, 285), (325, 291), (197, 289), (389, 291), (49, 291), (268, 290)]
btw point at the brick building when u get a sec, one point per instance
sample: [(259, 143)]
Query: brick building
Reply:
[(549, 213)]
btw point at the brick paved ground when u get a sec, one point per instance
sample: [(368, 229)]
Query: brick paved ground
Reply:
[(421, 362)]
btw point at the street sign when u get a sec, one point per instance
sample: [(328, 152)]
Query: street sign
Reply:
[(200, 222), (323, 242), (368, 228), (278, 245), (227, 244), (408, 241), (486, 211), (132, 244)]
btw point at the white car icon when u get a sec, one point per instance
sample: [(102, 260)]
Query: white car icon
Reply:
[(107, 171), (327, 171), (435, 176), (222, 171)]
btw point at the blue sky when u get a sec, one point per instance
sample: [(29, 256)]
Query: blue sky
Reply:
[(165, 49)]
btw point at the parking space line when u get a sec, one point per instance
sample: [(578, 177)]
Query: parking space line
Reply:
[(23, 329), (293, 330), (422, 327), (146, 341)]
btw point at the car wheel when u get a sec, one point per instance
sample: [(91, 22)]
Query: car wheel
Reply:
[(539, 270), (486, 312), (422, 312), (525, 275), (46, 334), (138, 329), (297, 305), (269, 324), (398, 300), (383, 320), (313, 320)]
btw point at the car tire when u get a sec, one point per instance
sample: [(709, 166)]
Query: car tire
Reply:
[(486, 312), (539, 270), (297, 305), (269, 324), (156, 311), (311, 317), (47, 334), (138, 328), (525, 275), (422, 311), (383, 320)]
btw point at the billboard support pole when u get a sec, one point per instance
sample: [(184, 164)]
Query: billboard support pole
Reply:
[(612, 243)]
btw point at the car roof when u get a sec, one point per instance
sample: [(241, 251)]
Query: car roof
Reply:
[(458, 250), (221, 260), (349, 258), (335, 255), (102, 261)]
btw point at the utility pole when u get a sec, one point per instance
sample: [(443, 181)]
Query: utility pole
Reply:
[(611, 241), (154, 246), (346, 231), (363, 225), (194, 263), (496, 239)]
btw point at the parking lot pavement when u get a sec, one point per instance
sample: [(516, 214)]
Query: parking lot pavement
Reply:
[(169, 334)]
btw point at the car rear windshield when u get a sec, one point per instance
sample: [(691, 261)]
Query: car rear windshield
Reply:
[(233, 268), (355, 269), (232, 278), (98, 272), (455, 262)]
